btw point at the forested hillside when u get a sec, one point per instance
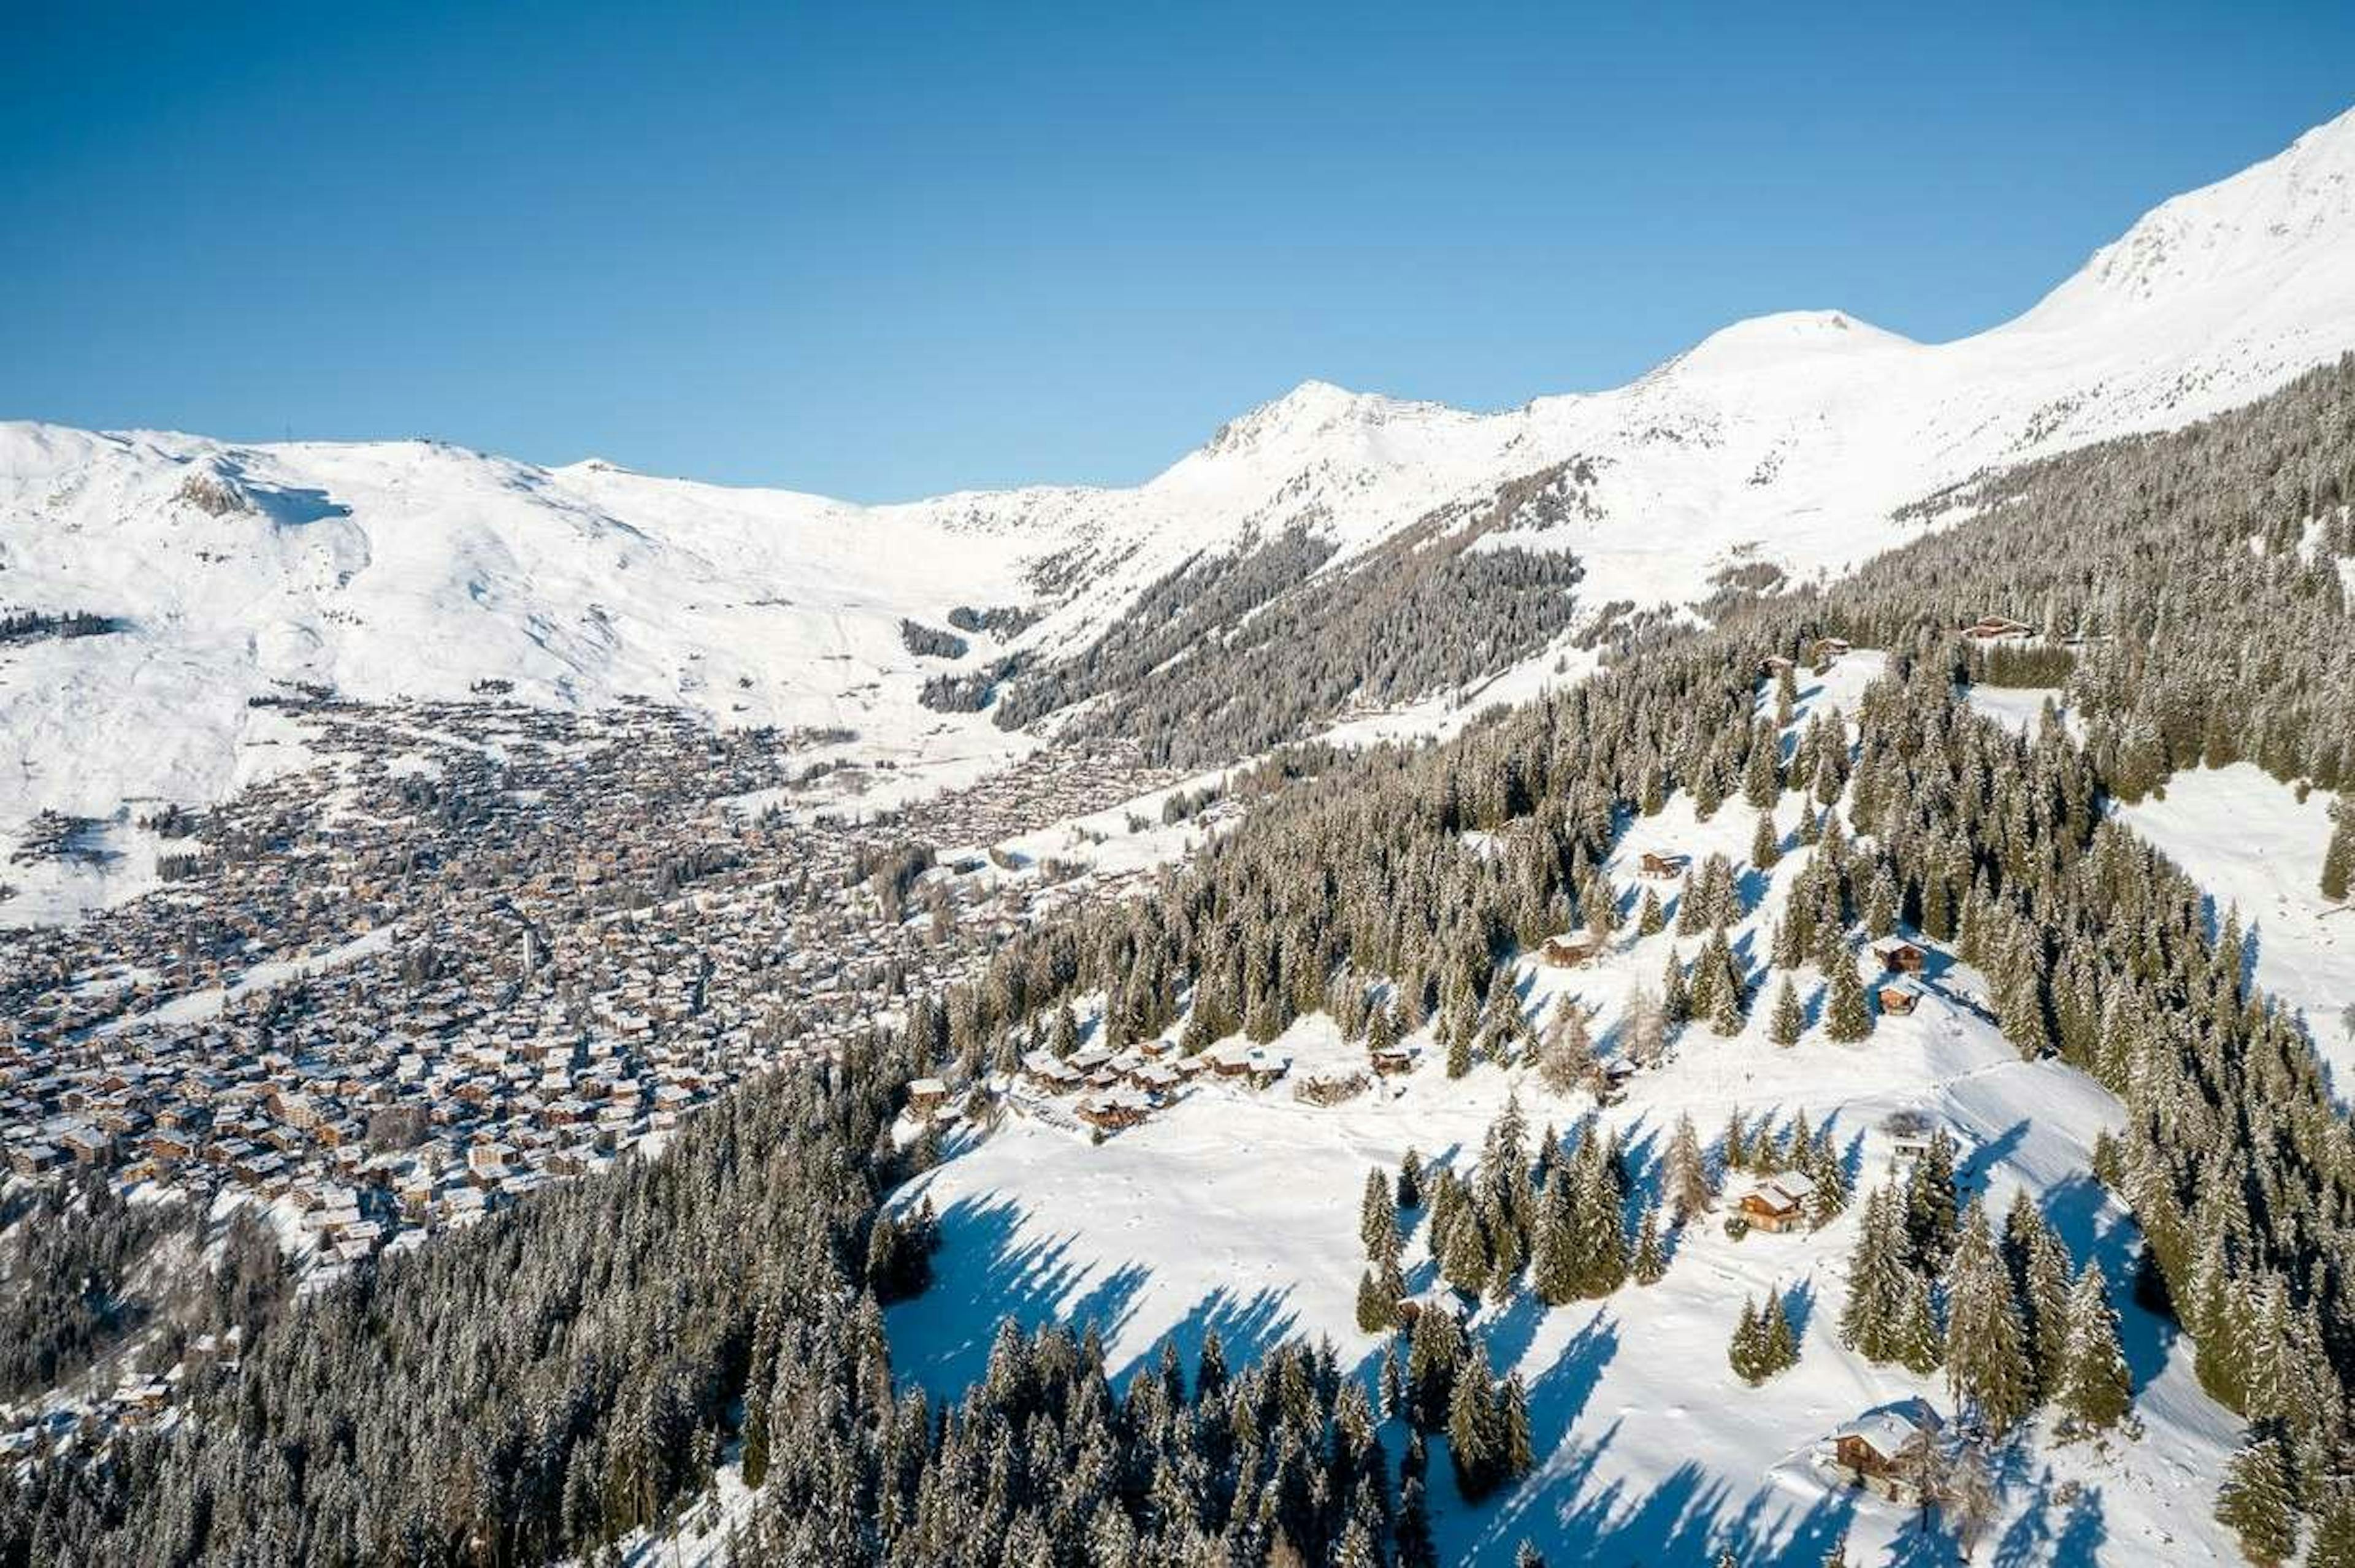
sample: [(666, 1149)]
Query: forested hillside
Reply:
[(560, 1376)]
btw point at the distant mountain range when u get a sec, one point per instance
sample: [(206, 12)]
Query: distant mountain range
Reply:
[(1775, 451)]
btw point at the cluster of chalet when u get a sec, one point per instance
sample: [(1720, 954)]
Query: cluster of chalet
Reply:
[(1899, 989), (476, 947), (1120, 1089)]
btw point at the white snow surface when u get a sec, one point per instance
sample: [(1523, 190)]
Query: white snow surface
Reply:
[(386, 569)]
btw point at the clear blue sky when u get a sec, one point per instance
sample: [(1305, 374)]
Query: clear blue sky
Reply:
[(888, 248)]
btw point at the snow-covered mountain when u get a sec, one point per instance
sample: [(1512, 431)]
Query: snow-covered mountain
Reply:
[(384, 569)]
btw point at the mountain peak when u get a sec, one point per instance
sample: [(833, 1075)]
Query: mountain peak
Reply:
[(1773, 341), (1309, 409), (2295, 205)]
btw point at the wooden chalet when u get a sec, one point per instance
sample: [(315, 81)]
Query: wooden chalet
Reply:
[(1779, 1203), (1900, 957), (926, 1096), (1882, 1452), (1898, 997), (1997, 629), (1572, 952), (1666, 867), (1115, 1109)]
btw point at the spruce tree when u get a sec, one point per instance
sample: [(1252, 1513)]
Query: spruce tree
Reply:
[(1378, 1218), (1988, 1366), (1650, 918), (1848, 1016), (1765, 843), (1676, 1000), (1555, 1261), (1466, 1263), (2339, 859), (2095, 1389), (1778, 1344), (2254, 1500), (1651, 1261), (1790, 1019), (1475, 1442), (1687, 1185), (1742, 1352)]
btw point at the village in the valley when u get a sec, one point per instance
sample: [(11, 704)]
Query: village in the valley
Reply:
[(472, 947)]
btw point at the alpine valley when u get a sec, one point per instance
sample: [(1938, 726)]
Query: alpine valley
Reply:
[(1751, 969)]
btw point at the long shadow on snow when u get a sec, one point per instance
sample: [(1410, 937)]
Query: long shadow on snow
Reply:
[(984, 1273), (1689, 1517)]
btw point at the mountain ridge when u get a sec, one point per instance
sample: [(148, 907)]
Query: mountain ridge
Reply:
[(422, 569)]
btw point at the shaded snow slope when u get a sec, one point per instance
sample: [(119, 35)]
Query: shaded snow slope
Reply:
[(383, 569)]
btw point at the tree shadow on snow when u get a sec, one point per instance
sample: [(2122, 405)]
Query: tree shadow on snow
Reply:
[(986, 1272), (2096, 1229), (1691, 1516)]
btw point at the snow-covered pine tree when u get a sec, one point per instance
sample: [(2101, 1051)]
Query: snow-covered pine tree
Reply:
[(1790, 1019), (1987, 1366), (1848, 1016), (2339, 856), (1742, 1352), (2254, 1501), (1687, 1186), (1650, 1264), (1378, 1218), (2096, 1390)]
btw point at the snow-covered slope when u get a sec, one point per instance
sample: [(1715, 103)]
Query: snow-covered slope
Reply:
[(385, 569)]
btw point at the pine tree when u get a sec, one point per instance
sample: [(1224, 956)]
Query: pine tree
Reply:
[(1736, 1142), (1566, 1059), (1554, 1263), (1650, 918), (2339, 859), (2039, 1272), (2095, 1388), (1459, 1050), (1379, 1290), (1687, 1186), (1409, 1181), (1676, 1000), (1434, 1348), (1847, 1017), (1930, 1211), (1466, 1263), (1877, 1278), (1476, 1443), (1765, 843), (1378, 1218), (1916, 1343), (1790, 1019), (2254, 1500), (1988, 1366), (1651, 1261), (1778, 1345), (1742, 1352), (1513, 1422), (2333, 1545)]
